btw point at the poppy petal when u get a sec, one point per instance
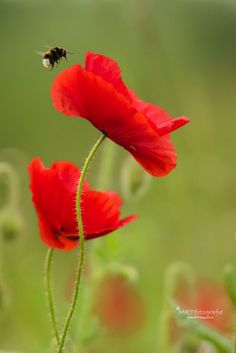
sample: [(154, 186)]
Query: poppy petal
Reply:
[(52, 241), (107, 219), (161, 120), (80, 93), (115, 198), (158, 159), (153, 112), (108, 70), (127, 220), (53, 200), (68, 243), (70, 174), (47, 236), (172, 125)]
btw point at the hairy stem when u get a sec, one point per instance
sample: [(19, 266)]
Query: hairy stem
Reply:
[(48, 265), (82, 242)]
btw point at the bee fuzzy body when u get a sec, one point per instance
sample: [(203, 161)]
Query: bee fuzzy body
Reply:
[(53, 56)]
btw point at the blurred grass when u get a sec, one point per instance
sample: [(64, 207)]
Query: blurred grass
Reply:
[(177, 54)]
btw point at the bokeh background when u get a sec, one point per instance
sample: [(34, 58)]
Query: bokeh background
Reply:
[(178, 54)]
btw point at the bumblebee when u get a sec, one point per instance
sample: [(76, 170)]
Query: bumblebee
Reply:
[(53, 56)]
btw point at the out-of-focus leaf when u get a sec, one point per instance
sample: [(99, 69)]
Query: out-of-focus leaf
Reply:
[(230, 282)]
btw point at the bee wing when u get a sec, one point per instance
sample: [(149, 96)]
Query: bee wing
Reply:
[(41, 53)]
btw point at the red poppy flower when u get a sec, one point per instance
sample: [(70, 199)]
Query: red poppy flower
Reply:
[(54, 193), (98, 94)]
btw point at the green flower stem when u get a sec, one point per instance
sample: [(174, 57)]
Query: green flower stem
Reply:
[(82, 242), (48, 265)]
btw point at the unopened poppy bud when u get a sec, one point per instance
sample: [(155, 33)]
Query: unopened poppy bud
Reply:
[(10, 224), (134, 180)]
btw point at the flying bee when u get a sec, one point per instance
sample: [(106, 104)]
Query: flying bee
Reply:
[(53, 56)]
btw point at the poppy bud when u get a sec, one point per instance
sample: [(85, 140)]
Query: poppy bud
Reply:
[(10, 224), (134, 180)]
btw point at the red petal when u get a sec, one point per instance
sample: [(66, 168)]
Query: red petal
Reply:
[(76, 92), (156, 152), (161, 120), (172, 125), (101, 214), (108, 70), (47, 236), (127, 220), (52, 241), (70, 174), (158, 158), (68, 244), (53, 200), (155, 114), (115, 198)]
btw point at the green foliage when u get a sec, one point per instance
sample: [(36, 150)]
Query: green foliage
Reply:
[(230, 282)]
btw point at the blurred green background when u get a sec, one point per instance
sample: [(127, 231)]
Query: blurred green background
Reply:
[(178, 54)]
